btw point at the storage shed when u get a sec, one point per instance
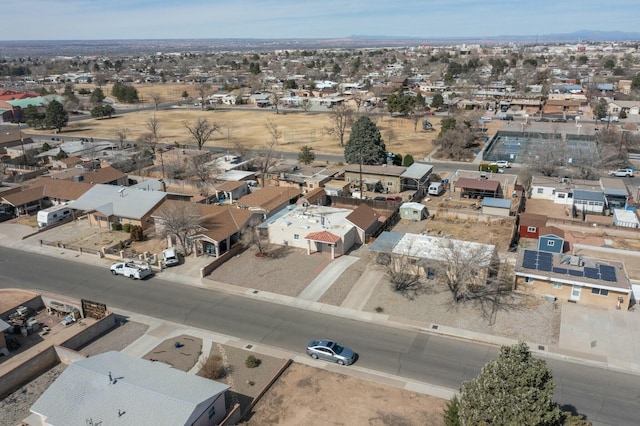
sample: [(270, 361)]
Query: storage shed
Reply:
[(413, 211), (625, 218), (496, 206)]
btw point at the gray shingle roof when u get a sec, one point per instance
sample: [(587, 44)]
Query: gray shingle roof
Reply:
[(118, 201), (149, 393)]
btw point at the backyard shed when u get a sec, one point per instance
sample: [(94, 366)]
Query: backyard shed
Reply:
[(413, 211), (496, 206), (625, 218)]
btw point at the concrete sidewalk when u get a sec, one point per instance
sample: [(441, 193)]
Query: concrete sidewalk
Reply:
[(314, 291), (600, 347)]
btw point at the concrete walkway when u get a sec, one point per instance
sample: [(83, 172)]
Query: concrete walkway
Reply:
[(316, 288), (363, 288)]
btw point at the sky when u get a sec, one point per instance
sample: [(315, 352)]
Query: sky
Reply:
[(187, 19)]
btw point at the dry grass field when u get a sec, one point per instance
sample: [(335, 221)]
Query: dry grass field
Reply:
[(246, 126)]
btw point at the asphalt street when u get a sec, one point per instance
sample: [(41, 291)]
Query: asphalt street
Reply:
[(606, 397)]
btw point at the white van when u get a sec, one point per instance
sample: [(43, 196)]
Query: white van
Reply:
[(53, 215), (170, 257), (436, 188)]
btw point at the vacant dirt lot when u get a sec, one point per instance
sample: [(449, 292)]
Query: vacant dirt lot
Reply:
[(305, 395)]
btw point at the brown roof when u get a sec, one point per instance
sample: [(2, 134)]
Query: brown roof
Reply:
[(531, 219), (363, 217), (323, 236), (62, 189), (103, 175), (314, 195), (481, 184), (218, 222), (548, 230), (25, 196), (269, 197), (230, 185)]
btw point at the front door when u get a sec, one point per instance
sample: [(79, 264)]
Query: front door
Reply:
[(575, 293)]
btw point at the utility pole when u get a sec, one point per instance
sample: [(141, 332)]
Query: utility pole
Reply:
[(360, 180)]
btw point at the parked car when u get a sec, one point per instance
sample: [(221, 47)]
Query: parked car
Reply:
[(379, 198), (559, 120), (486, 118), (503, 164), (542, 119), (621, 173), (430, 113), (330, 351), (508, 118)]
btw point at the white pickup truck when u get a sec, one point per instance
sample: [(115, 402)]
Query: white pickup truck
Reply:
[(134, 269)]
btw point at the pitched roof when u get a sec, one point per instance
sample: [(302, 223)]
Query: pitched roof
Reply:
[(104, 386), (363, 216), (583, 194), (269, 197), (532, 219), (376, 170), (323, 236), (551, 230), (118, 201), (481, 184), (62, 189), (25, 196)]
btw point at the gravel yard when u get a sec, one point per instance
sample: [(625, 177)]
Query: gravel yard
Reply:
[(288, 274), (522, 317)]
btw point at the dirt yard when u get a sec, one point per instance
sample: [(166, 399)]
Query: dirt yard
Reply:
[(315, 396), (246, 126)]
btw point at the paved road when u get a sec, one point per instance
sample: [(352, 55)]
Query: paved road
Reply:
[(607, 397)]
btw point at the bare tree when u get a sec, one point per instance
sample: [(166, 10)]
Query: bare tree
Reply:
[(153, 125), (201, 130), (264, 160), (341, 119), (406, 273), (274, 130), (548, 161), (174, 169), (275, 101), (251, 235), (180, 220), (121, 134), (200, 168), (454, 143), (203, 90), (156, 99), (469, 270), (359, 98)]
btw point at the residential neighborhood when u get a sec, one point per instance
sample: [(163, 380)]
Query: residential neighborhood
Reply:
[(481, 192)]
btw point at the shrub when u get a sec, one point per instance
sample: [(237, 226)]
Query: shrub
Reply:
[(136, 233), (126, 227), (212, 368), (252, 362), (379, 309), (116, 226)]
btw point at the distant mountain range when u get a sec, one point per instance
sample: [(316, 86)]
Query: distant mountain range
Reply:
[(40, 48)]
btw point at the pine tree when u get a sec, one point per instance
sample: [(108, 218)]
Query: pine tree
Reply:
[(514, 389), (365, 144), (55, 116)]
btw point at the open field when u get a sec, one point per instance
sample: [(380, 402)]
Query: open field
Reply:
[(246, 126)]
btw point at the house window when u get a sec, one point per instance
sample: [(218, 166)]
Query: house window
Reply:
[(389, 183), (600, 291), (348, 179), (560, 195), (551, 243), (531, 229), (296, 236), (212, 412), (311, 186), (540, 190), (528, 280), (557, 285)]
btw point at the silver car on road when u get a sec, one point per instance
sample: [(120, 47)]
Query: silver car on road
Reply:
[(330, 351)]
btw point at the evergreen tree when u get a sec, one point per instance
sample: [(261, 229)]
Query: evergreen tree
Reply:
[(55, 116), (97, 96), (408, 160), (365, 144), (514, 389), (306, 155)]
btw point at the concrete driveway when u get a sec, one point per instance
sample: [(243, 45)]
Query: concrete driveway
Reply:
[(606, 335)]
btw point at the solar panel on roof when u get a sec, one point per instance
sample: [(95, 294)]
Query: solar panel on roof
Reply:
[(544, 267), (575, 273), (529, 263), (545, 255), (560, 270), (592, 273), (608, 273)]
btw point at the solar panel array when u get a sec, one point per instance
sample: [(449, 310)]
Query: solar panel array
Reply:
[(543, 261)]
